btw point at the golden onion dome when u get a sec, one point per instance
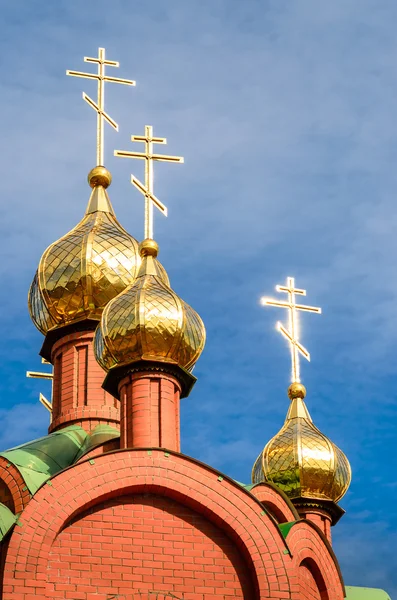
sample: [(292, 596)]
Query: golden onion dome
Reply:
[(86, 268), (148, 321), (300, 459)]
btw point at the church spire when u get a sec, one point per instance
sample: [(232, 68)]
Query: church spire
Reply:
[(299, 459), (77, 276), (149, 339)]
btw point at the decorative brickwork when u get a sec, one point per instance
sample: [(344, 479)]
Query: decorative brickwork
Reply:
[(78, 396)]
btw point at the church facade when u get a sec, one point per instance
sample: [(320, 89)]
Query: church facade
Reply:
[(106, 506)]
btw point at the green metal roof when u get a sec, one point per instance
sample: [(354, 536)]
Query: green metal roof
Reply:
[(7, 520), (99, 435), (38, 460), (363, 593)]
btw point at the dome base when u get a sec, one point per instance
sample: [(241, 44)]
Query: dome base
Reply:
[(306, 506), (116, 374), (59, 332)]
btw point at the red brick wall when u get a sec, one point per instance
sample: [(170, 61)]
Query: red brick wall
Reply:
[(139, 543), (219, 510)]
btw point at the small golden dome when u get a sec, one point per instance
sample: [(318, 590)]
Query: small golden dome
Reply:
[(148, 321), (79, 273), (301, 460)]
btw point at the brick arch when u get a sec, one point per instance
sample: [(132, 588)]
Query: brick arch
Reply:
[(146, 540), (311, 581), (13, 490), (276, 502), (201, 488), (312, 552)]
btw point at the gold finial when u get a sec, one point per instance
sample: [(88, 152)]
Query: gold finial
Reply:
[(99, 176), (296, 390), (147, 188), (148, 247), (293, 334), (99, 105)]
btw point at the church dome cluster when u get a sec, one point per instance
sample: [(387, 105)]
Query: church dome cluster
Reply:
[(98, 274), (86, 268)]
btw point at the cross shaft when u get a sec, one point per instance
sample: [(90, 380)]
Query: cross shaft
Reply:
[(99, 105), (147, 188), (292, 334)]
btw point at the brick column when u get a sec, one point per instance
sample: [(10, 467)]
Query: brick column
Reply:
[(149, 406), (78, 396), (319, 517)]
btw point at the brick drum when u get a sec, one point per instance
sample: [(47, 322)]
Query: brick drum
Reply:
[(78, 396), (138, 544)]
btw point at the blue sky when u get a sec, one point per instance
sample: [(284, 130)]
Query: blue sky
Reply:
[(286, 114)]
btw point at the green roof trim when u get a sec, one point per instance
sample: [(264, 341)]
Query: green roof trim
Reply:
[(40, 459), (246, 486), (285, 528), (363, 593), (7, 520)]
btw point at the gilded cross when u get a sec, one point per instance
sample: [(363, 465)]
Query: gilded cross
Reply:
[(99, 105), (292, 335), (48, 376), (147, 189)]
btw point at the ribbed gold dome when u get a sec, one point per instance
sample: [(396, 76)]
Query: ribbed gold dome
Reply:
[(149, 321), (300, 459), (79, 273)]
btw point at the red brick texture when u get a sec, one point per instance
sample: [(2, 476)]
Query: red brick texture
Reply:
[(319, 517), (13, 491), (146, 506), (78, 396), (146, 542), (149, 406), (276, 502)]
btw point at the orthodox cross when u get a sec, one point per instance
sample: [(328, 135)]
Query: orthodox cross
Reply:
[(48, 376), (99, 105), (292, 334), (147, 188)]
